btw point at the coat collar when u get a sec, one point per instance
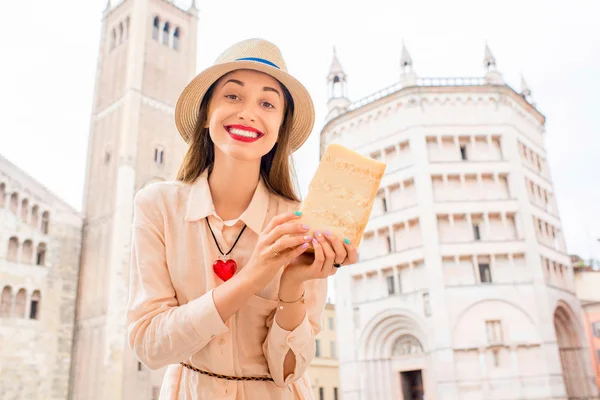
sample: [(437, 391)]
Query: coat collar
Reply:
[(200, 204)]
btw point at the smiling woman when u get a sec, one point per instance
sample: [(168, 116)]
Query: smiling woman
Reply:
[(221, 287)]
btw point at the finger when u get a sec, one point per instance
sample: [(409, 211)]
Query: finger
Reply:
[(289, 242), (289, 228), (352, 254), (317, 264), (281, 219), (328, 253), (338, 247), (293, 253)]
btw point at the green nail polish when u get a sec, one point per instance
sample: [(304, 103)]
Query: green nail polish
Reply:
[(346, 241), (298, 213)]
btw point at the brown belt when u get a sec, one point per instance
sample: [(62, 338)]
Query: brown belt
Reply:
[(230, 378)]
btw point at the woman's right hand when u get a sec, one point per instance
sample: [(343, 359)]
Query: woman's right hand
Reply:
[(281, 241)]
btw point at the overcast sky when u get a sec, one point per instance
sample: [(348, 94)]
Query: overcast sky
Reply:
[(49, 52)]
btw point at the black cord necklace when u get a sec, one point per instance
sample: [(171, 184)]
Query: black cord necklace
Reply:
[(224, 267)]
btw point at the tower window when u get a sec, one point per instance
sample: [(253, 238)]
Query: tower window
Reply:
[(165, 37), (494, 332), (107, 155), (426, 305), (476, 232), (485, 275), (159, 156), (336, 79), (176, 39), (113, 39), (390, 285), (155, 29), (463, 152)]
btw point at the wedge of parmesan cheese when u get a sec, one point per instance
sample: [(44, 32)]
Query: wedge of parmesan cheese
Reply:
[(342, 192)]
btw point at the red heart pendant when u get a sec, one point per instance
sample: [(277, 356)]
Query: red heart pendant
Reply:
[(225, 269)]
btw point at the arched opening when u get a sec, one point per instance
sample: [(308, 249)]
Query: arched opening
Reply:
[(41, 254), (45, 222), (24, 209), (571, 354), (165, 37), (407, 345), (27, 252), (121, 33), (6, 302), (34, 310), (155, 28), (13, 250), (14, 203), (20, 303), (2, 194), (176, 39), (35, 216)]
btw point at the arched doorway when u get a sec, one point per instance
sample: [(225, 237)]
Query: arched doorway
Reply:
[(571, 354), (411, 380), (393, 356)]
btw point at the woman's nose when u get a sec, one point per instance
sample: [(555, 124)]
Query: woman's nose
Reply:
[(246, 114)]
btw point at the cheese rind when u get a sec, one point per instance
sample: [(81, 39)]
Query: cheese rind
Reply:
[(342, 193)]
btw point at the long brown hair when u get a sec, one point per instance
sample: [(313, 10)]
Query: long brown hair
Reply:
[(276, 168)]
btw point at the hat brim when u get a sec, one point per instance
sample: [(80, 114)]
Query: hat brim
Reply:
[(188, 104)]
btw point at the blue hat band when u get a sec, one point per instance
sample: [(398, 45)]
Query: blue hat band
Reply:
[(260, 60)]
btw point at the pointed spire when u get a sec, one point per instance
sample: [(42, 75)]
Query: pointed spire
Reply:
[(107, 6), (405, 59), (336, 81), (489, 61), (336, 67), (194, 7), (408, 77), (525, 90), (492, 75)]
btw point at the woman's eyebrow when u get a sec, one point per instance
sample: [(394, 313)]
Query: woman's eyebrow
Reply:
[(266, 88)]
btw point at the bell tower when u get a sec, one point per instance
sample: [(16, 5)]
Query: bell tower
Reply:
[(147, 55), (337, 88)]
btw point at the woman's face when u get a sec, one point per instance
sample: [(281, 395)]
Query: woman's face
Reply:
[(245, 113)]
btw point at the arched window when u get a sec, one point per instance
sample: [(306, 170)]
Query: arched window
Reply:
[(24, 209), (2, 194), (113, 39), (407, 345), (35, 216), (27, 252), (14, 203), (13, 249), (34, 310), (121, 33), (107, 155), (165, 37), (176, 39), (6, 302), (20, 303), (45, 222), (41, 254), (155, 28)]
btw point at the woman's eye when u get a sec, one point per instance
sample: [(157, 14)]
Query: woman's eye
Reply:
[(268, 105), (232, 96)]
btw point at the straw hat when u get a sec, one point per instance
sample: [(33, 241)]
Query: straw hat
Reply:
[(259, 55)]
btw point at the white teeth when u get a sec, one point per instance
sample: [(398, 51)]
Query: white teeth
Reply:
[(241, 132)]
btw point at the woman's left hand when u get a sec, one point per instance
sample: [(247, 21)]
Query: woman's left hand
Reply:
[(330, 252)]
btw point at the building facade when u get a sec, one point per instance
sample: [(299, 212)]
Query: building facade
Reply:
[(324, 370), (147, 55), (587, 287), (463, 289), (40, 239)]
